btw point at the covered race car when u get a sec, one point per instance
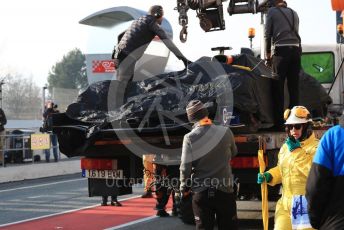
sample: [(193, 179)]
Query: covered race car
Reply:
[(238, 95)]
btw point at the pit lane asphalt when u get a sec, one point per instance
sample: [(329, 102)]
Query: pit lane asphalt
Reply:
[(40, 197)]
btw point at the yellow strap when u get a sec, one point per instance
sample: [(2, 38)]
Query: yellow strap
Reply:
[(243, 67)]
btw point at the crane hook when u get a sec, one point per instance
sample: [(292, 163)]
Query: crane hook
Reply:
[(183, 34)]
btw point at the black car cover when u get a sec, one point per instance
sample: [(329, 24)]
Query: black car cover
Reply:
[(162, 99)]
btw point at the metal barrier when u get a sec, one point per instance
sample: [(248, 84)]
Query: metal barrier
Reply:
[(16, 148)]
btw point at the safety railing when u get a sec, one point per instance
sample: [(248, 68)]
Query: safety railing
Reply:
[(17, 148)]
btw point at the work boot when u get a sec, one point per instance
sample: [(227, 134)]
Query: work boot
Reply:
[(162, 213), (147, 194), (174, 212), (116, 203)]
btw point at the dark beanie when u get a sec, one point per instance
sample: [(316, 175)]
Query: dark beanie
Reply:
[(196, 111), (156, 11)]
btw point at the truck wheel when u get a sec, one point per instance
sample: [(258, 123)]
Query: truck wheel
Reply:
[(273, 193), (249, 192), (272, 158), (70, 140)]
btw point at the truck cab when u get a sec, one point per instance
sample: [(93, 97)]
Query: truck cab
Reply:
[(325, 63)]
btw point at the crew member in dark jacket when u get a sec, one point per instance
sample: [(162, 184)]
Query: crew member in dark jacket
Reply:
[(50, 109), (282, 26), (163, 193), (137, 38), (3, 120), (206, 153), (325, 184)]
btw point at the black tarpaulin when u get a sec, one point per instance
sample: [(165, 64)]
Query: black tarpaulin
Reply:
[(163, 98)]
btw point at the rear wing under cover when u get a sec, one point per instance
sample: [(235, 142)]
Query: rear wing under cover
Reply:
[(117, 15)]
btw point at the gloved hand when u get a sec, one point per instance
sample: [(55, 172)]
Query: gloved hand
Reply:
[(116, 63), (114, 51), (185, 192), (264, 177), (268, 62), (186, 62), (292, 143)]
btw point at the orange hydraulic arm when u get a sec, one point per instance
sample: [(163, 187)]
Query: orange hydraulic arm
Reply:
[(337, 5)]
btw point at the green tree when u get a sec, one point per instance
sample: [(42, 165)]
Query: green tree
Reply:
[(70, 72)]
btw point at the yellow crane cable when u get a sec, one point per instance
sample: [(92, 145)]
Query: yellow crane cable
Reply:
[(264, 187)]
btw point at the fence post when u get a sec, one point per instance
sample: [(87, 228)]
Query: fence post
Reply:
[(31, 151), (3, 143), (23, 147)]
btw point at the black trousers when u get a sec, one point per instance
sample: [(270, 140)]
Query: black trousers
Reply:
[(126, 67), (105, 199), (286, 63), (125, 75), (163, 193), (222, 205)]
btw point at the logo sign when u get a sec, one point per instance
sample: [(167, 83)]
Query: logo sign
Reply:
[(103, 66), (226, 116), (40, 141)]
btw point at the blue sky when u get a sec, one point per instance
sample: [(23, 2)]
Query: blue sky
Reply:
[(36, 34)]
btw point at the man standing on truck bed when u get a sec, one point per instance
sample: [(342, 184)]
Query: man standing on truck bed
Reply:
[(282, 26), (137, 38)]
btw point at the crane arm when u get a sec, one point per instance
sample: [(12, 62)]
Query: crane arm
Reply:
[(210, 12)]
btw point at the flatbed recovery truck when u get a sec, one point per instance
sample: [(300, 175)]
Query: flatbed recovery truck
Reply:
[(112, 168)]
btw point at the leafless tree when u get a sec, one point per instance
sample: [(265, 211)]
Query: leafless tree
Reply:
[(21, 98)]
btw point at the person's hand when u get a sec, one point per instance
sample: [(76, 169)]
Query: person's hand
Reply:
[(292, 144), (185, 192), (186, 62), (116, 62), (268, 62), (41, 129), (264, 177), (113, 55)]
